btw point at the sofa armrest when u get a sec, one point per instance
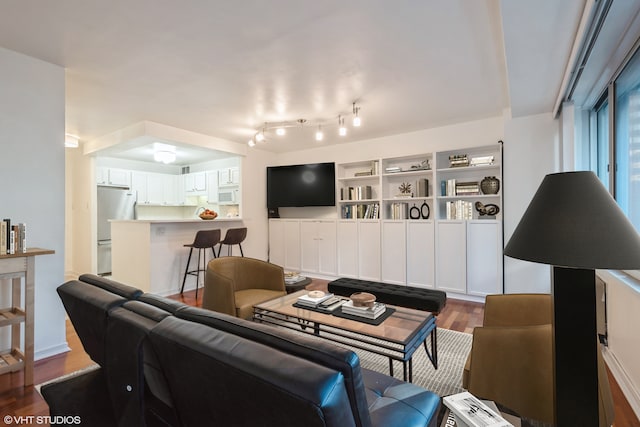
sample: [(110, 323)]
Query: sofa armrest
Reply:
[(514, 366), (218, 293)]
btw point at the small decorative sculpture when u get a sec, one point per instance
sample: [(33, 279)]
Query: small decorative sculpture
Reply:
[(488, 209), (405, 188)]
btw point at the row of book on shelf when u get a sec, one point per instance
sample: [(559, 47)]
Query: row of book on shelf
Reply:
[(453, 187), (329, 302), (361, 192), (13, 237), (459, 209), (361, 211)]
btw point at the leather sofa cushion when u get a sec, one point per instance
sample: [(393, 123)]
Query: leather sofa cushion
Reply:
[(279, 389), (162, 303), (117, 288), (395, 403), (134, 375), (309, 348), (88, 306)]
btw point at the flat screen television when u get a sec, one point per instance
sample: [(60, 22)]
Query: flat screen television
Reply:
[(301, 185)]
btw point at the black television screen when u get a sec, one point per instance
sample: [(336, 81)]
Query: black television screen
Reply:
[(301, 185)]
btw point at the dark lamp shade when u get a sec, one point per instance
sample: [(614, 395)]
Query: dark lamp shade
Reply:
[(572, 221)]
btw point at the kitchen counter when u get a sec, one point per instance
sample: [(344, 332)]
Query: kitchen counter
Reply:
[(150, 254), (182, 220)]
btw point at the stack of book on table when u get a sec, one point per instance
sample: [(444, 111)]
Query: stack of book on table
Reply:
[(327, 302), (469, 411), (291, 277), (372, 312)]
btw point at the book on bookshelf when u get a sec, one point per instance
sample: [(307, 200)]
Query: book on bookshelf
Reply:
[(3, 238)]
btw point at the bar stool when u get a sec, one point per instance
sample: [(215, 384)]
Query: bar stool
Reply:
[(233, 236), (204, 239)]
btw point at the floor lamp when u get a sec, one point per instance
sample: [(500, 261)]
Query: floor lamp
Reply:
[(573, 224)]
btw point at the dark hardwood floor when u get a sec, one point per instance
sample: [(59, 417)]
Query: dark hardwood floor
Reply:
[(16, 400)]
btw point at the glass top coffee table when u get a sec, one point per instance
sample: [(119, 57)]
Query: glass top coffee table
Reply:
[(397, 337)]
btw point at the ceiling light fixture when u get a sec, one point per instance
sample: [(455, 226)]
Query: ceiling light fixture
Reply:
[(164, 153), (280, 128), (71, 141), (342, 130), (356, 118)]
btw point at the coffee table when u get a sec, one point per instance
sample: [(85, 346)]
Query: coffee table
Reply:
[(397, 337)]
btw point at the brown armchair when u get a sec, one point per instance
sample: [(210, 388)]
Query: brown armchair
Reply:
[(233, 285), (511, 359)]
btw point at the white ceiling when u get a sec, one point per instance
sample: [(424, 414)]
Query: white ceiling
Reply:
[(223, 68)]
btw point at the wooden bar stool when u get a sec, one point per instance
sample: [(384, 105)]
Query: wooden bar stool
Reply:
[(204, 239), (233, 236)]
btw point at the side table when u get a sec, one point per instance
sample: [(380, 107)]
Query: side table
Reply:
[(297, 286), (15, 267)]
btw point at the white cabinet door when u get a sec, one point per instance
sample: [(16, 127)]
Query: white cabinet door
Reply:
[(484, 257), (119, 177), (327, 247), (309, 246), (369, 250), (451, 256), (229, 176), (155, 190), (421, 254), (212, 187), (170, 191), (347, 247), (139, 185), (276, 242), (318, 246), (394, 252), (101, 175), (292, 245), (195, 183), (284, 243)]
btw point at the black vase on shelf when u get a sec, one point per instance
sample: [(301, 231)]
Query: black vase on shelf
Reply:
[(490, 185)]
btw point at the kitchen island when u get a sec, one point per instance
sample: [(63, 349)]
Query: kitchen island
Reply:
[(150, 254)]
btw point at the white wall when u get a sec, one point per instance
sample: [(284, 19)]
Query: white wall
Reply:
[(33, 179), (530, 152)]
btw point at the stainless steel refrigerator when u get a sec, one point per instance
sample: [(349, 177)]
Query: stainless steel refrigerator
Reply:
[(113, 203)]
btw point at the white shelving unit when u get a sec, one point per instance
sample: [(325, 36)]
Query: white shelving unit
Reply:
[(414, 245)]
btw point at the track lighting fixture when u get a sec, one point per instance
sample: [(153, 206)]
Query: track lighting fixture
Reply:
[(342, 130), (280, 128), (356, 118)]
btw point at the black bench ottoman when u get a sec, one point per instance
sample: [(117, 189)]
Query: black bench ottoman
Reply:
[(402, 296)]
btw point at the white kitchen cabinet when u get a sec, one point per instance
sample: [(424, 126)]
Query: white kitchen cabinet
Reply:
[(318, 246), (421, 254), (155, 188), (113, 177), (229, 176), (451, 256), (394, 252), (347, 248), (284, 243), (369, 250), (171, 193), (139, 185), (484, 257), (212, 187), (195, 183)]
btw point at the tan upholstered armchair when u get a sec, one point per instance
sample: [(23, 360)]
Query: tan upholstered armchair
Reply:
[(233, 285), (511, 359)]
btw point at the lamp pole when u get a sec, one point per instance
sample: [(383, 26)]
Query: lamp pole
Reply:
[(575, 347)]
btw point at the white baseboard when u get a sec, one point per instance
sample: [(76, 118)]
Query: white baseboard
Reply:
[(52, 351), (629, 390)]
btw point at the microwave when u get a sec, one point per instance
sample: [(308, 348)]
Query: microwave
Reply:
[(227, 196)]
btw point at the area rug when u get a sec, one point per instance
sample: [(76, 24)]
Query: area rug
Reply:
[(453, 349)]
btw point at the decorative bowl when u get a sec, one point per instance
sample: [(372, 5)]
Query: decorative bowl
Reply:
[(208, 217), (363, 299)]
